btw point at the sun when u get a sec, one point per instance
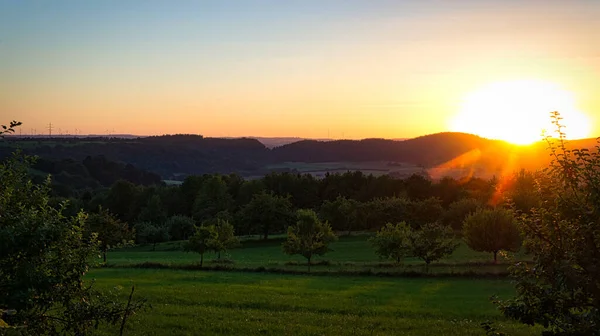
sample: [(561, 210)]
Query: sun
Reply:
[(519, 111)]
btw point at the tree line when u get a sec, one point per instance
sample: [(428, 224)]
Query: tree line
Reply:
[(350, 202)]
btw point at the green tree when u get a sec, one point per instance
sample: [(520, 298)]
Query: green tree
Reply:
[(180, 227), (226, 238), (150, 233), (421, 212), (44, 256), (266, 213), (153, 212), (491, 230), (341, 213), (458, 211), (309, 237), (392, 241), (120, 200), (212, 198), (109, 230), (560, 290), (202, 241), (432, 242)]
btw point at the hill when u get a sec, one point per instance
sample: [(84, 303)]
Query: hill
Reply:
[(174, 157), (425, 150)]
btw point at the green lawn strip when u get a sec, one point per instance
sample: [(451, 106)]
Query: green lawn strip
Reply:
[(224, 303)]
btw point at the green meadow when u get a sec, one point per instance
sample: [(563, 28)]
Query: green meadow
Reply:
[(349, 253), (338, 301), (237, 303)]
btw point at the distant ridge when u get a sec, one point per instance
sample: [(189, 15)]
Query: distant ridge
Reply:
[(174, 157)]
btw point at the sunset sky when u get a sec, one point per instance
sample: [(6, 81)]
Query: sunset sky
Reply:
[(352, 69)]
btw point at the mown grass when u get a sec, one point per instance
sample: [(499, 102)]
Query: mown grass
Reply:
[(226, 303), (349, 253)]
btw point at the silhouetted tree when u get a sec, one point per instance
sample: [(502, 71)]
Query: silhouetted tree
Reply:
[(491, 230), (110, 230)]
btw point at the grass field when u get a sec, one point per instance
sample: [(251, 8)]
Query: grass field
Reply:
[(224, 303), (349, 253)]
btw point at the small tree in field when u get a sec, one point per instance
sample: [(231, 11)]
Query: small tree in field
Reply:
[(309, 236), (492, 230), (225, 239), (432, 242), (149, 233), (111, 231), (202, 241), (392, 241)]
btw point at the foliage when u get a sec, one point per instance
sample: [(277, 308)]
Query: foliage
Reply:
[(120, 200), (153, 211), (5, 130), (266, 213), (43, 258), (202, 241), (492, 230), (111, 232), (458, 211), (522, 193), (180, 227), (212, 198), (421, 212), (560, 289), (392, 241), (432, 242), (226, 238), (309, 237), (341, 213), (150, 233)]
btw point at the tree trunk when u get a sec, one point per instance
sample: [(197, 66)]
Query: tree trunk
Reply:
[(308, 264), (495, 257), (104, 255), (266, 235), (201, 259), (153, 246), (427, 266), (219, 255)]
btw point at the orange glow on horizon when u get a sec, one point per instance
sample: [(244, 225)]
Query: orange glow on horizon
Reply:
[(519, 112)]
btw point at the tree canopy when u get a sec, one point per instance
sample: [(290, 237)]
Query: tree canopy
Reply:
[(309, 236)]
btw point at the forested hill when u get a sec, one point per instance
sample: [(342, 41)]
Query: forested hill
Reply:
[(178, 156), (169, 156), (426, 150)]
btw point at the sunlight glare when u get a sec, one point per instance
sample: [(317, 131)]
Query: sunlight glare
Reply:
[(519, 111)]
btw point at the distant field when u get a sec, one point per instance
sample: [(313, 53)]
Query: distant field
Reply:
[(222, 303), (349, 253), (376, 168)]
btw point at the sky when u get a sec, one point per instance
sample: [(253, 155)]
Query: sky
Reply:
[(314, 69)]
